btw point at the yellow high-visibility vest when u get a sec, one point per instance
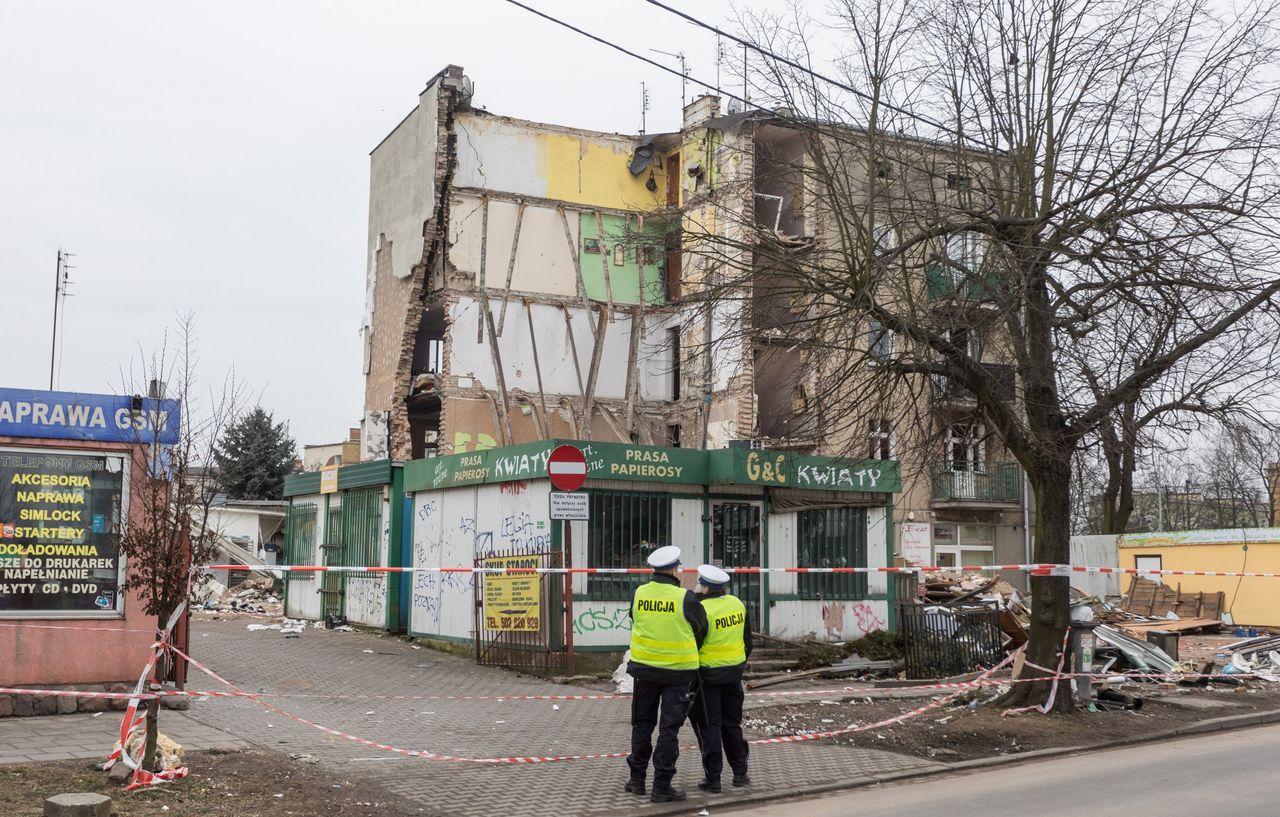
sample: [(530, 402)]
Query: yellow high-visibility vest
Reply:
[(660, 634), (726, 618)]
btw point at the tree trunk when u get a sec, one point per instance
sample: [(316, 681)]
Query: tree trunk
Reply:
[(1050, 595), (153, 733)]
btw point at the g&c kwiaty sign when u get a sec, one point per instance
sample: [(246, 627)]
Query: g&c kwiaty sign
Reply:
[(61, 415)]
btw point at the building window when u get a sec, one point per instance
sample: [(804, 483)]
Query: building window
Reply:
[(673, 435), (964, 545), (619, 255), (884, 236), (965, 250), (300, 538), (968, 341), (624, 528), (957, 180), (884, 170), (591, 245), (673, 344), (880, 439), (879, 342), (648, 255), (965, 444), (832, 537)]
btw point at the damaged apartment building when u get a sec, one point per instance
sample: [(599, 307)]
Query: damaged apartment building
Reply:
[(528, 281)]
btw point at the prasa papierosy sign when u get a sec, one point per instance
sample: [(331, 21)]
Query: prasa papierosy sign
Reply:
[(61, 415)]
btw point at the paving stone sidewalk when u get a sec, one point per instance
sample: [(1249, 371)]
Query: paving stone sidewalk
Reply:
[(67, 737), (303, 671)]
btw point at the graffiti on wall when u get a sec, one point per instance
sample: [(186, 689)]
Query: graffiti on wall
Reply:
[(366, 599), (865, 619), (429, 590), (600, 619)]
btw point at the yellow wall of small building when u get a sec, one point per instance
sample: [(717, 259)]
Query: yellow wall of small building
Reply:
[(1257, 601)]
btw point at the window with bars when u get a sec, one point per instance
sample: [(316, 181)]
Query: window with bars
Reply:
[(300, 538), (625, 527), (362, 527), (832, 537)]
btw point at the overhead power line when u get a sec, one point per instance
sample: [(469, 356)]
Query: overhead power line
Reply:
[(829, 80), (629, 53)]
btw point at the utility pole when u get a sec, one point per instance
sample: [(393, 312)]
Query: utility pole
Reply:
[(61, 279)]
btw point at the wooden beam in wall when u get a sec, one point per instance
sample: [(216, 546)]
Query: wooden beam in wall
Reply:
[(511, 266)]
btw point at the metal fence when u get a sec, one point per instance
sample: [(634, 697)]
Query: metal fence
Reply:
[(939, 642), (540, 646)]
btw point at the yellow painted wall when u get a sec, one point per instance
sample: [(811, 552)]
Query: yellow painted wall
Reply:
[(586, 172), (1258, 599)]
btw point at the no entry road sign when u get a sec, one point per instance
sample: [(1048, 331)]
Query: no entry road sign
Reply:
[(567, 468)]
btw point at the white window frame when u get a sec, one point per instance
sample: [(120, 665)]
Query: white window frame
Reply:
[(973, 440), (879, 342), (880, 438), (958, 546), (966, 250)]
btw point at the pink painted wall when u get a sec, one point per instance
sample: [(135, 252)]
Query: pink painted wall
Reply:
[(94, 652)]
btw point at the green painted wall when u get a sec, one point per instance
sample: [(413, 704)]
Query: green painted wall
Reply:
[(624, 279)]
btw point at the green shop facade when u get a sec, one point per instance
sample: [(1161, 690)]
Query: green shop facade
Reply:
[(733, 507)]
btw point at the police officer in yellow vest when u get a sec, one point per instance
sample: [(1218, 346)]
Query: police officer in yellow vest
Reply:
[(667, 628), (721, 658)]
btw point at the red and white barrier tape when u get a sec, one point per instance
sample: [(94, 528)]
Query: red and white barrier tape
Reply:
[(1047, 569)]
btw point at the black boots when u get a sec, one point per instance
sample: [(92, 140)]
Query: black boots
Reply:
[(636, 786), (740, 779), (666, 794), (712, 786)]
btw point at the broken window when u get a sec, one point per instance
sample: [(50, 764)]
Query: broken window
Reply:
[(625, 527), (673, 435), (832, 537), (880, 439), (673, 344)]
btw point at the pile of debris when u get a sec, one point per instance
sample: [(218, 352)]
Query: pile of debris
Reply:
[(1259, 656), (252, 596)]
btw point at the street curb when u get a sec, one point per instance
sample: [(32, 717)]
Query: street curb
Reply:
[(1205, 727)]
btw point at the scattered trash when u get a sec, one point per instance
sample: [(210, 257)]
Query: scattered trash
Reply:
[(704, 813), (555, 707), (368, 651), (254, 596), (624, 684)]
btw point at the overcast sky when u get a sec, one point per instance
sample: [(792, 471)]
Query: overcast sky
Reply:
[(213, 158)]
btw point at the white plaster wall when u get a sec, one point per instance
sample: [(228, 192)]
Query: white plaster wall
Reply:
[(497, 154), (455, 527), (555, 353), (656, 353), (303, 597), (601, 624), (543, 260), (809, 619), (402, 186)]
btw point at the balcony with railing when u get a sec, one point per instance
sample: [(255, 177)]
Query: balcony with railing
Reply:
[(972, 484), (947, 390)]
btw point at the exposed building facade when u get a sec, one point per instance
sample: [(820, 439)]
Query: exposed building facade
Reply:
[(530, 282)]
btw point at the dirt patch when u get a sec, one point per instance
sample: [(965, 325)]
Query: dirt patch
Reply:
[(963, 731), (233, 784)]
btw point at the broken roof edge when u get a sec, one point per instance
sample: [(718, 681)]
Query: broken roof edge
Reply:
[(439, 77)]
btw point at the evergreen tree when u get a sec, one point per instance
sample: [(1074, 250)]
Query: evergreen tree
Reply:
[(254, 456)]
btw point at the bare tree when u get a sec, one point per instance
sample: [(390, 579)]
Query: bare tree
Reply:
[(170, 530), (1061, 207)]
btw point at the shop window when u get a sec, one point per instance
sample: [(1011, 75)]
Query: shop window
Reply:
[(300, 539), (880, 439), (832, 537), (624, 528)]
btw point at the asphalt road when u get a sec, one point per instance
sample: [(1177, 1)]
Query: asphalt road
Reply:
[(1224, 773)]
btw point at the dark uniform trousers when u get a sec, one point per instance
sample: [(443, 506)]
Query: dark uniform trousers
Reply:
[(675, 700), (719, 729)]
